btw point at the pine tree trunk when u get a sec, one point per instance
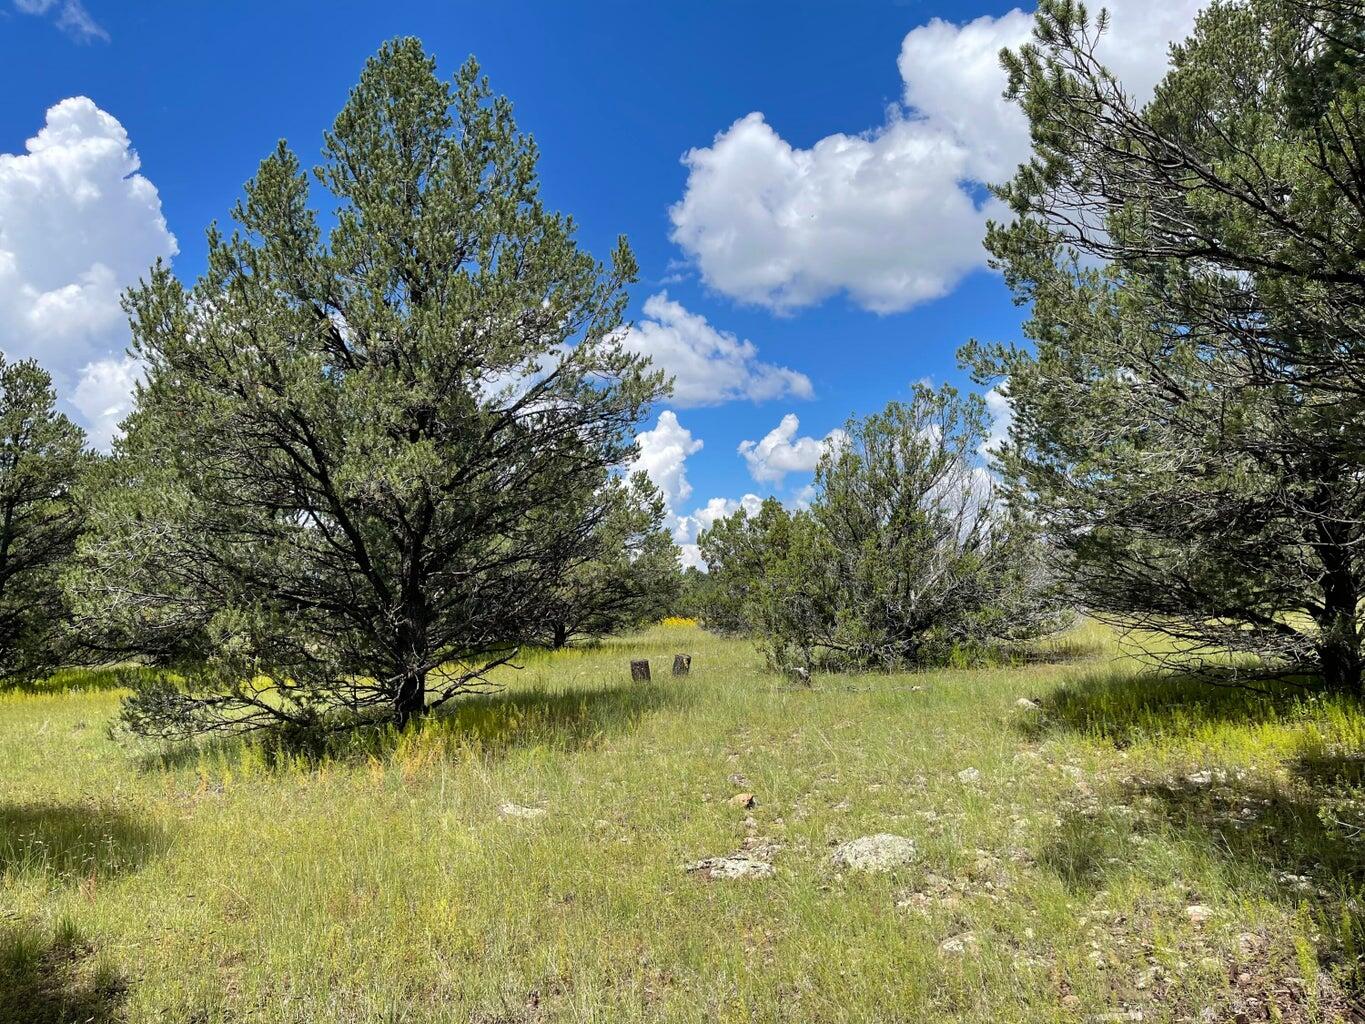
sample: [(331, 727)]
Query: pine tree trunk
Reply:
[(1340, 666), (411, 699), (1339, 625)]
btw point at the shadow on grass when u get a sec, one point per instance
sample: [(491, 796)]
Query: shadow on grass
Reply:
[(68, 842), (1285, 832), (1285, 842), (1131, 707), (1286, 828), (1082, 852), (1296, 837), (569, 720), (56, 979), (488, 725), (1049, 656), (1066, 649)]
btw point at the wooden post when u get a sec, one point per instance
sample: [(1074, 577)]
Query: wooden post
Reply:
[(682, 664), (639, 671)]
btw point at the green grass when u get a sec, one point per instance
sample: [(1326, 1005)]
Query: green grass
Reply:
[(382, 883)]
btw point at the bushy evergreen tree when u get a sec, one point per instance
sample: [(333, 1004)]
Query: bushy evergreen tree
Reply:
[(904, 558), (738, 550), (627, 573), (1189, 422), (41, 457), (365, 460)]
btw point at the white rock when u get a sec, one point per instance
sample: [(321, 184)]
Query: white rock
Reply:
[(1249, 943), (511, 810), (968, 775), (735, 866), (1198, 913), (875, 854), (1207, 777), (958, 944), (1301, 882)]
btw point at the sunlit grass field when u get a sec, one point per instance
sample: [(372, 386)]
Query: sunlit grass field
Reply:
[(1132, 849)]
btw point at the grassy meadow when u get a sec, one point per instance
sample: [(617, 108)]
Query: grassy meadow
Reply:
[(1133, 849)]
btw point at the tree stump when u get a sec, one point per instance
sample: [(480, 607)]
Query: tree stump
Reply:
[(639, 671), (682, 664)]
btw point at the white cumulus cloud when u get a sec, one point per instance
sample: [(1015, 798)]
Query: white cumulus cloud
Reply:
[(663, 455), (708, 366), (689, 527), (689, 557), (781, 452), (880, 216), (78, 224), (1002, 415), (664, 451), (895, 215), (103, 394)]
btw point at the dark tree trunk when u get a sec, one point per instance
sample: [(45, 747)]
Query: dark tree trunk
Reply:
[(1339, 653), (561, 635), (1339, 625), (412, 643), (411, 699), (1340, 669)]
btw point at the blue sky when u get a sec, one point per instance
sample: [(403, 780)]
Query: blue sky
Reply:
[(830, 214)]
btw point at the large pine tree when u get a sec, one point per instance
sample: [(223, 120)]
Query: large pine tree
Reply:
[(41, 458), (365, 457), (1190, 420)]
